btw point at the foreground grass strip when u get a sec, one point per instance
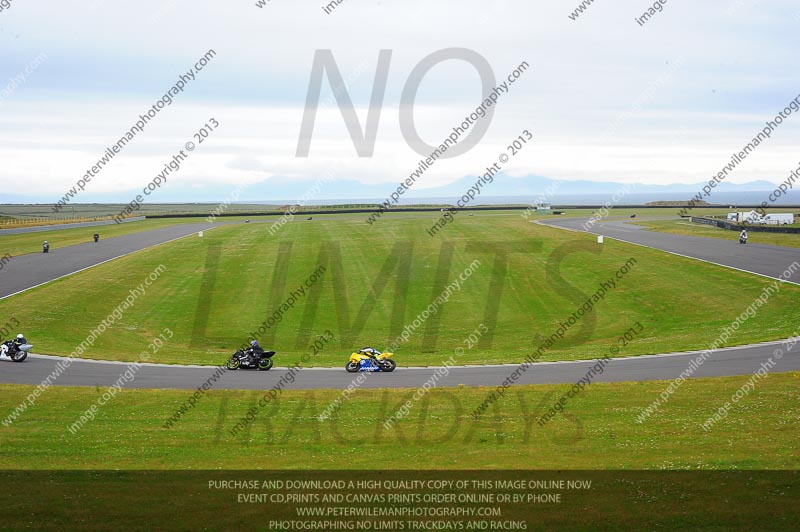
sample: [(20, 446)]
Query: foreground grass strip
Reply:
[(595, 431)]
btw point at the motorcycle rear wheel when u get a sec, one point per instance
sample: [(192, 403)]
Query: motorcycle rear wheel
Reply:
[(265, 364), (351, 367), (233, 363)]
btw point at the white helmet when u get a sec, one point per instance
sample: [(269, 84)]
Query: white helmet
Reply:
[(20, 336)]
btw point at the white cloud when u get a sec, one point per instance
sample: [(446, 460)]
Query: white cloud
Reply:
[(107, 63)]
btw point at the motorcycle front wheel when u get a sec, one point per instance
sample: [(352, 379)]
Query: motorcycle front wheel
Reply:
[(351, 367), (234, 363), (388, 365), (19, 356), (265, 364)]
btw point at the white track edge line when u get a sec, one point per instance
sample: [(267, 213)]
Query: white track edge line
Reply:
[(466, 366)]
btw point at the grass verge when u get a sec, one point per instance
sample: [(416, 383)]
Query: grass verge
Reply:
[(378, 282), (597, 429), (686, 228)]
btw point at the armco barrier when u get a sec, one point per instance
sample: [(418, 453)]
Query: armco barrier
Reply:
[(736, 226), (55, 227)]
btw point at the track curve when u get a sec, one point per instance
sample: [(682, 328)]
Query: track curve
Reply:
[(760, 259), (724, 362)]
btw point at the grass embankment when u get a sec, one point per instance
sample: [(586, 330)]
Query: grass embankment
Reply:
[(597, 430), (378, 279), (685, 227)]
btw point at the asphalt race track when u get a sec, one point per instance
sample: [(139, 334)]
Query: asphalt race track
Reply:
[(762, 259), (730, 361), (765, 260), (26, 271)]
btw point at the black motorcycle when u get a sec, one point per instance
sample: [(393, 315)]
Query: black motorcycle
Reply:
[(247, 359)]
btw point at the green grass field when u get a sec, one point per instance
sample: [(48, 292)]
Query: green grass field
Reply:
[(378, 279), (597, 430), (685, 227)]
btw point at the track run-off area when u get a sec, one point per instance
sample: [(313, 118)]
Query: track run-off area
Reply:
[(33, 270)]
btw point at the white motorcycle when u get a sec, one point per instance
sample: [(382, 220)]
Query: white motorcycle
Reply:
[(10, 351)]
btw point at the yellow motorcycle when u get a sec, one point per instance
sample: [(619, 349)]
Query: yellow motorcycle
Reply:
[(361, 361)]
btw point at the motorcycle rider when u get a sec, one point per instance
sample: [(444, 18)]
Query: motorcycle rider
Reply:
[(255, 350), (370, 352), (743, 237), (96, 237), (45, 247), (16, 343)]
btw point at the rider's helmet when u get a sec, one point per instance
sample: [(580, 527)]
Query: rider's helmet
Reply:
[(20, 337), (254, 343)]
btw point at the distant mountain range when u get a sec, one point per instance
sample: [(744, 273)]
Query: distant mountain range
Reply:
[(504, 189)]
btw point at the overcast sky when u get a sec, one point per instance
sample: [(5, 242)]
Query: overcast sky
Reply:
[(606, 98)]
